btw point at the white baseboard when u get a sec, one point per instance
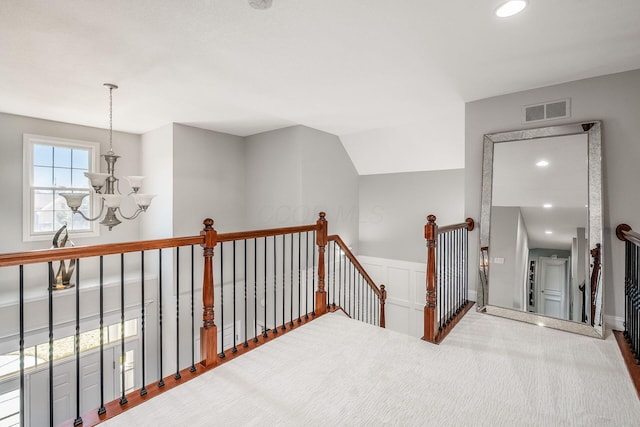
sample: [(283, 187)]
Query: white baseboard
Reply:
[(614, 322)]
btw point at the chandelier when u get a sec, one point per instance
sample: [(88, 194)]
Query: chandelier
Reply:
[(107, 186)]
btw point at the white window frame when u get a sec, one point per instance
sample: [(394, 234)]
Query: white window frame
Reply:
[(28, 141)]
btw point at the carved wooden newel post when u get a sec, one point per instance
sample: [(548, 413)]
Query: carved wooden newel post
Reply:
[(209, 330), (383, 299), (321, 240), (430, 315)]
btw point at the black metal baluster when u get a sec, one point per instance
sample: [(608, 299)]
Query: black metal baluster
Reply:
[(234, 349), (222, 355), (161, 381), (275, 287), (291, 282), (78, 419), (449, 276), (123, 398), (347, 293), (454, 273), (50, 300), (264, 333), (627, 265), (193, 337), (631, 297), (376, 314), (360, 298), (440, 280), (636, 301), (334, 273), (460, 269), (284, 281), (466, 266), (355, 285), (255, 290), (102, 410), (306, 278), (446, 272), (143, 390), (340, 278), (246, 306), (21, 298), (299, 276), (442, 297), (328, 270), (177, 375)]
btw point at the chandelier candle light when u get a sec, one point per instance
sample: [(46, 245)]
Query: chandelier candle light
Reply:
[(106, 185)]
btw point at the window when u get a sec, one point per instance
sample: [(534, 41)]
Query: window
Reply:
[(38, 355), (53, 166)]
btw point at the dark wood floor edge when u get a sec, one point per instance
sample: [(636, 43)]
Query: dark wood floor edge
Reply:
[(453, 322), (113, 408), (629, 359)]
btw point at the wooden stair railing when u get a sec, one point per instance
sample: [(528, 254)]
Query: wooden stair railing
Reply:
[(278, 267), (629, 340), (447, 277), (351, 289)]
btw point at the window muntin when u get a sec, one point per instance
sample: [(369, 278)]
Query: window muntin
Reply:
[(54, 166)]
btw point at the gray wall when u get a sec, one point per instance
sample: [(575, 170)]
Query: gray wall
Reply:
[(614, 99), (208, 180), (157, 168), (394, 207), (294, 173)]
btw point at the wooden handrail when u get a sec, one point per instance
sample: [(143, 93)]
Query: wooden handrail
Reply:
[(624, 232), (468, 223), (76, 252), (254, 234), (356, 263), (58, 254), (381, 292)]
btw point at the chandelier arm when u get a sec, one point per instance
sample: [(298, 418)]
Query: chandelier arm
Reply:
[(134, 216), (91, 219), (117, 185)]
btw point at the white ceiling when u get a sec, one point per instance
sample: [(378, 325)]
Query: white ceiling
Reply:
[(389, 77)]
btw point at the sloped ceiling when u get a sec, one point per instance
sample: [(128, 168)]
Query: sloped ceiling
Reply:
[(389, 77)]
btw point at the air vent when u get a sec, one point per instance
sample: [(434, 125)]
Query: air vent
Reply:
[(547, 111)]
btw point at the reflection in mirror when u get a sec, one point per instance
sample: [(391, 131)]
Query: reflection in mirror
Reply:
[(541, 216)]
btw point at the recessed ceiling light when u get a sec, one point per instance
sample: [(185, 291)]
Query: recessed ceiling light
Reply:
[(510, 8), (547, 205), (548, 232), (542, 163)]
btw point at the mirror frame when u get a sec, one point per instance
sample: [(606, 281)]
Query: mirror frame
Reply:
[(595, 224)]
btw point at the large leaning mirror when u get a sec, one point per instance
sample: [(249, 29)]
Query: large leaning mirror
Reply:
[(541, 227)]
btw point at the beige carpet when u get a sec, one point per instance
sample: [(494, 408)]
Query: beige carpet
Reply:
[(336, 371)]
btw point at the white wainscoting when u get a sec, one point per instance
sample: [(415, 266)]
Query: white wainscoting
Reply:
[(405, 283)]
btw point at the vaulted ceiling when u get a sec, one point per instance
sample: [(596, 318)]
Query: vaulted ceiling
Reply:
[(389, 77)]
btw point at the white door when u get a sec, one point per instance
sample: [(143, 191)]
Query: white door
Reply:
[(64, 388), (552, 283)]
